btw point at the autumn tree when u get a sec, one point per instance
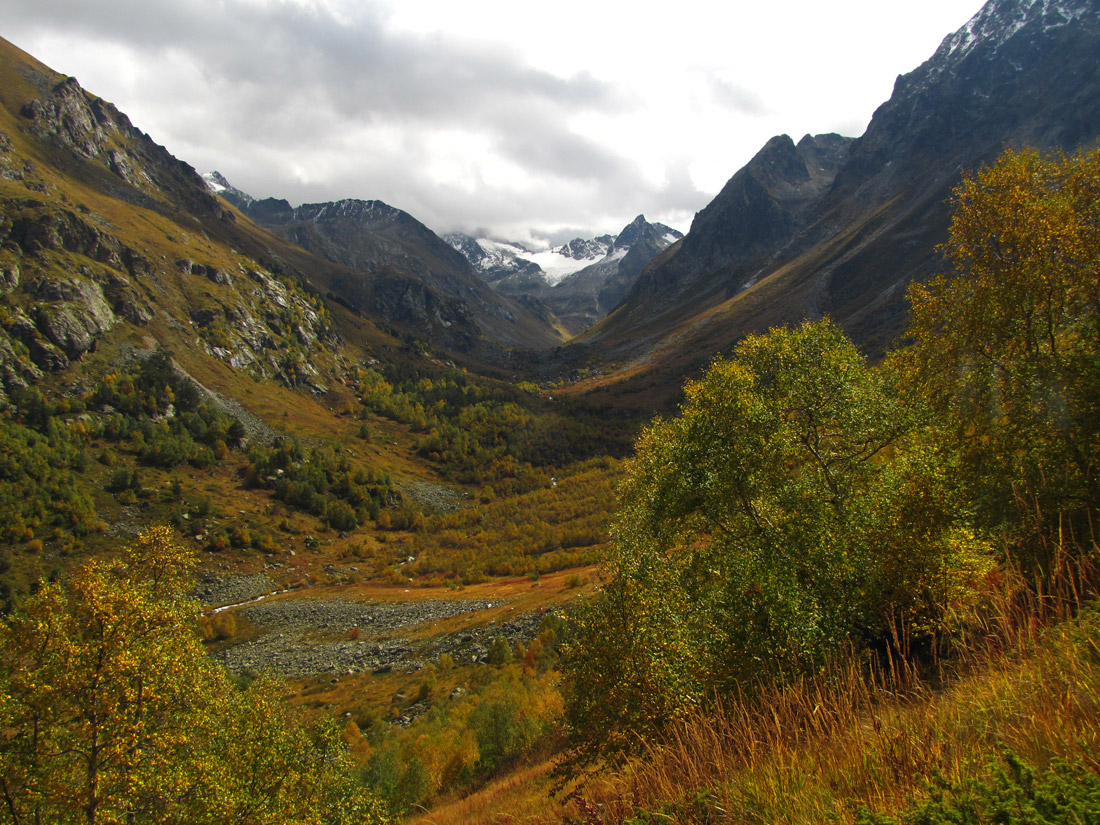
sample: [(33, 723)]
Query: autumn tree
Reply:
[(1007, 348), (110, 711)]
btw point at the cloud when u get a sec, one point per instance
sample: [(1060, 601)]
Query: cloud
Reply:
[(488, 113), (331, 104), (735, 97)]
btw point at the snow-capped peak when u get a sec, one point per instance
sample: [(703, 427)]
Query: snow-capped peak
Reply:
[(215, 182), (496, 258)]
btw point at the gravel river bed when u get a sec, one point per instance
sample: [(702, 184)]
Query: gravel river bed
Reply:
[(310, 636)]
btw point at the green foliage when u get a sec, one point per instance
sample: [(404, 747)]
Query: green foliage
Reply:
[(162, 414), (321, 482), (482, 432), (39, 473), (553, 528), (148, 392), (792, 508), (509, 714), (803, 501), (112, 712), (1067, 793), (500, 652)]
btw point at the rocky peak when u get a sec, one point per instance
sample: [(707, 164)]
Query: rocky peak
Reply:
[(579, 248), (631, 233), (269, 211), (1019, 72), (640, 231), (824, 154), (763, 204), (468, 246), (216, 183), (372, 212), (70, 118)]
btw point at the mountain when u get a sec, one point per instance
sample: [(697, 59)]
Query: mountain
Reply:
[(164, 359), (415, 278), (839, 227), (107, 238), (584, 297), (217, 184), (580, 281)]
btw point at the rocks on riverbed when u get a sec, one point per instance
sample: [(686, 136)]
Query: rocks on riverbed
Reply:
[(307, 636), (216, 590), (311, 636)]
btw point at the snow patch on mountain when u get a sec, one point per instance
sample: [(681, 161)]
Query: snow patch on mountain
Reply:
[(557, 267), (215, 182), (998, 21), (555, 264)]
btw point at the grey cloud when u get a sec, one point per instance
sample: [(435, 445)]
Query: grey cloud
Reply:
[(266, 52), (282, 83), (736, 98)]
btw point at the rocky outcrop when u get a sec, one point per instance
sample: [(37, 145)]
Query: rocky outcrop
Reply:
[(43, 353), (66, 313), (17, 371), (35, 228), (264, 325), (69, 119), (72, 313)]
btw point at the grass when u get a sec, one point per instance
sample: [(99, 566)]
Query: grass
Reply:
[(521, 796), (822, 749)]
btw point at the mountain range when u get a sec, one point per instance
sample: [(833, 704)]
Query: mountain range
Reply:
[(827, 225), (580, 281)]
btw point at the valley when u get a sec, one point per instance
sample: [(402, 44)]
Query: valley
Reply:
[(473, 524)]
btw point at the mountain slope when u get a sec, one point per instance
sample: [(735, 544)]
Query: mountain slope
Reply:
[(106, 237), (841, 228), (403, 271), (80, 179)]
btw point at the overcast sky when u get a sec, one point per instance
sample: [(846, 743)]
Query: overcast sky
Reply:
[(517, 119)]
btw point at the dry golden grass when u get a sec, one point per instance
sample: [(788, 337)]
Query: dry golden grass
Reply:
[(852, 736), (521, 796)]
